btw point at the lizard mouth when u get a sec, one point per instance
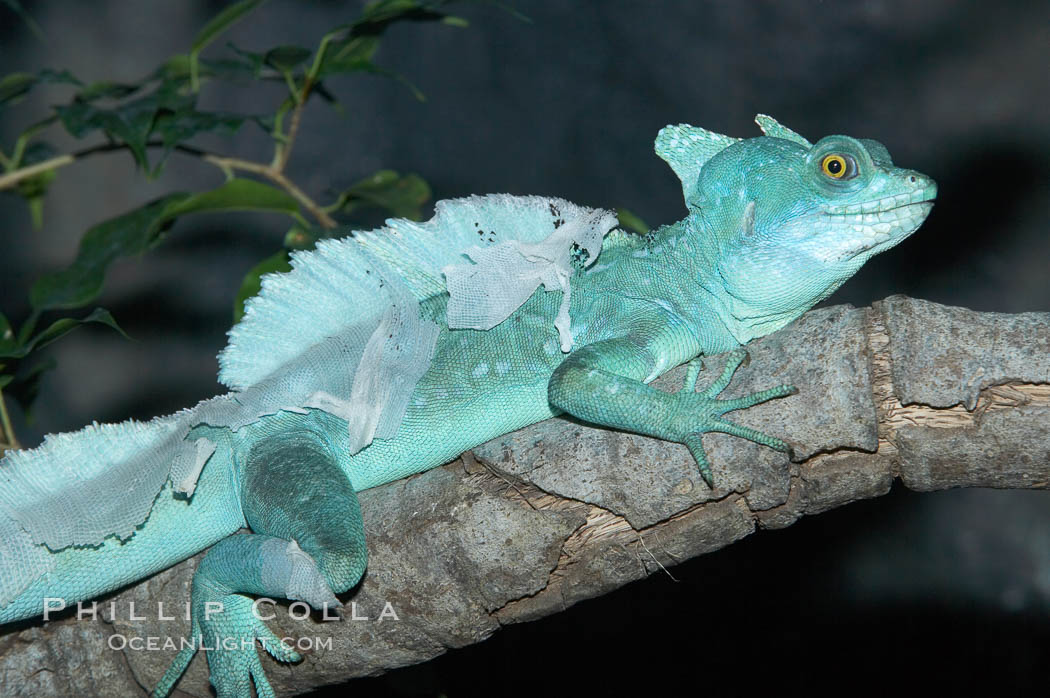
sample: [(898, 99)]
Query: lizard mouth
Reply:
[(924, 195), (876, 225)]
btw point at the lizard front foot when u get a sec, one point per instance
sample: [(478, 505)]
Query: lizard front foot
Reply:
[(702, 412)]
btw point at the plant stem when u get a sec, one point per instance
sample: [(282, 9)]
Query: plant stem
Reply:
[(284, 150), (5, 424), (14, 177), (271, 171), (277, 177)]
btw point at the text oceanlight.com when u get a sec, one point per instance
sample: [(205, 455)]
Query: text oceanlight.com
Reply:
[(154, 643)]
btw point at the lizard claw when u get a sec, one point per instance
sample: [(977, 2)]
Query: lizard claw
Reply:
[(696, 447)]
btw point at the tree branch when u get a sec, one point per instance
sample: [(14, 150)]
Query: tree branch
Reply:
[(273, 172), (560, 511), (277, 177)]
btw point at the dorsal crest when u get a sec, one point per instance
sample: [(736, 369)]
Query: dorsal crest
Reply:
[(344, 331), (686, 149)]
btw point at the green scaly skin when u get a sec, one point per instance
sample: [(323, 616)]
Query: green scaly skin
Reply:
[(769, 234)]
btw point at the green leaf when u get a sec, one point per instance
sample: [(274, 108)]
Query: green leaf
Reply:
[(180, 126), (129, 123), (57, 329), (105, 89), (15, 86), (403, 196), (167, 109), (26, 385), (37, 151), (354, 55), (138, 231), (322, 91), (221, 22), (385, 9), (253, 62), (175, 68), (377, 17), (354, 52), (218, 24), (252, 282), (286, 58), (178, 69), (5, 381), (348, 55), (235, 195), (64, 326), (80, 283), (36, 211), (383, 12), (629, 220)]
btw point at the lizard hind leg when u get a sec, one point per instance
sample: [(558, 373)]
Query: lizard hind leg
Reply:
[(307, 545)]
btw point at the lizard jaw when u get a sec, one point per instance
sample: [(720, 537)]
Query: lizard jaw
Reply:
[(920, 195)]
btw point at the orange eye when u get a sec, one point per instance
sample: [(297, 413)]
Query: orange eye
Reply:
[(834, 166)]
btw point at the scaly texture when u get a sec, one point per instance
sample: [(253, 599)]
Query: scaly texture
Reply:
[(390, 352)]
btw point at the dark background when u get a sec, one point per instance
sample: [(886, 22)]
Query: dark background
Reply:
[(944, 591)]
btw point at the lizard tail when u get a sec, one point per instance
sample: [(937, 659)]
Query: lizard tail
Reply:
[(90, 511)]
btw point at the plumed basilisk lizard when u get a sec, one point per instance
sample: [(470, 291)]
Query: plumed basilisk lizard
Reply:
[(390, 352)]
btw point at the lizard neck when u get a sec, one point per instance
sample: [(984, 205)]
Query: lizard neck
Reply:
[(710, 257)]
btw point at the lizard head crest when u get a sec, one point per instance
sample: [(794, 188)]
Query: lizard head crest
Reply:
[(687, 148)]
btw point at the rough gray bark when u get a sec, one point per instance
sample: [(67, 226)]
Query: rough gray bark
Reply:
[(537, 520)]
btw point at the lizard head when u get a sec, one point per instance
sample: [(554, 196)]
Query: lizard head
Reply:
[(851, 203), (788, 221)]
